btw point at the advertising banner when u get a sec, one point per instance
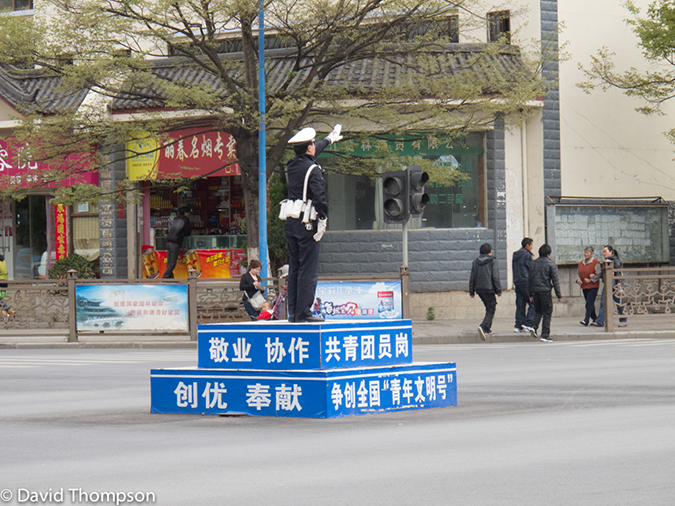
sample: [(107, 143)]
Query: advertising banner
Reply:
[(360, 300), (183, 153), (132, 307), (281, 345), (61, 231), (209, 263), (21, 170), (307, 394)]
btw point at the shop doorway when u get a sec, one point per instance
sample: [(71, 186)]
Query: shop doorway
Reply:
[(30, 236)]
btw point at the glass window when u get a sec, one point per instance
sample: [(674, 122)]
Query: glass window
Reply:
[(499, 23), (355, 202), (15, 5), (85, 236)]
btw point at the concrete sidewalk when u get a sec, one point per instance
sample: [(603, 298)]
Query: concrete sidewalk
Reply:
[(424, 332), (562, 329)]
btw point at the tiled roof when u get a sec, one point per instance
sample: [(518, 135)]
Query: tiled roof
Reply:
[(37, 91), (357, 77), (40, 91)]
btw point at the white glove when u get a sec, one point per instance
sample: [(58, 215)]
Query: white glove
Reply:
[(335, 136), (320, 229)]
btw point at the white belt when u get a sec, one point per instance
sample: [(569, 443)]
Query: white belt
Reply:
[(294, 208)]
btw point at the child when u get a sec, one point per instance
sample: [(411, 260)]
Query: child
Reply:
[(266, 311)]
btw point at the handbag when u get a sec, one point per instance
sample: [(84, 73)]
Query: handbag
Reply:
[(257, 300)]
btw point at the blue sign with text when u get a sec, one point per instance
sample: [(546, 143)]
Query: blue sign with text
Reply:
[(304, 346), (307, 394)]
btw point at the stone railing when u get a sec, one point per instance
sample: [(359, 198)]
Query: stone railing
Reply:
[(52, 303), (638, 294), (40, 304)]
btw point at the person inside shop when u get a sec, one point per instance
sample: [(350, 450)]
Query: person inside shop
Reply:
[(251, 284), (174, 240), (304, 232), (4, 276)]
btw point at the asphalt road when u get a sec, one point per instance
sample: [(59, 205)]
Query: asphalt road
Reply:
[(567, 423)]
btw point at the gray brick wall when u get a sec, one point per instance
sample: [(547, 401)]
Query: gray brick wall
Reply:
[(439, 259), (551, 110), (671, 231), (113, 221)]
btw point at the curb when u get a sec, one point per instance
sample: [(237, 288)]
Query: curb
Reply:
[(510, 338), (109, 345)]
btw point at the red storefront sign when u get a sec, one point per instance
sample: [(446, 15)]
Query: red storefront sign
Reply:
[(18, 168), (185, 153), (61, 232)]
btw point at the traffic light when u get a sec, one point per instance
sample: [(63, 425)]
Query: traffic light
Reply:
[(417, 178), (395, 196)]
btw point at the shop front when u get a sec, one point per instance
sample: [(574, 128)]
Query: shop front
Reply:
[(34, 232), (204, 163)]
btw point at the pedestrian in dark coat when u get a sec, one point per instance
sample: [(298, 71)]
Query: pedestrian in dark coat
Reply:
[(611, 255), (543, 277), (484, 281), (521, 262), (174, 240)]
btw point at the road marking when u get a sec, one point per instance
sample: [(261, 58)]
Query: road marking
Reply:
[(660, 342), (30, 360)]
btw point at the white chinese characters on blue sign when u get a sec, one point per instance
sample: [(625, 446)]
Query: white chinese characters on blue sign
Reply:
[(294, 346), (312, 394)]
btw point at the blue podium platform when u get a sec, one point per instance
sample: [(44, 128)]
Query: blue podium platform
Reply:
[(310, 370), (279, 345), (327, 393)]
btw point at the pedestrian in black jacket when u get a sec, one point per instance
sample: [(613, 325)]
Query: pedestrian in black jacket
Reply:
[(543, 277), (174, 240), (522, 260), (484, 281)]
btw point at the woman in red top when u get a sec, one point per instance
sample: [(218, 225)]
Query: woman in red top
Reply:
[(590, 272)]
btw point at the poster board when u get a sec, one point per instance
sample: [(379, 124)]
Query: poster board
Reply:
[(639, 232)]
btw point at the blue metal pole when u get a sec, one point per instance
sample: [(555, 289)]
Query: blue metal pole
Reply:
[(262, 144)]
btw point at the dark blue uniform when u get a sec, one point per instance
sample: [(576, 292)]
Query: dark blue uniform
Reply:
[(303, 250)]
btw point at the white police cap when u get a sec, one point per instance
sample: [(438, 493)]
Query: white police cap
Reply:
[(305, 135)]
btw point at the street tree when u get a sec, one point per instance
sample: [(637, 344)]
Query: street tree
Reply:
[(376, 66)]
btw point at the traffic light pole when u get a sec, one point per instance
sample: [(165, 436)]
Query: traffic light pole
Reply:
[(405, 244), (405, 274), (403, 195)]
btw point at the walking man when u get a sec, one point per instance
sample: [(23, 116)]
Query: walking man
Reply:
[(484, 281), (543, 277), (174, 240), (522, 260)]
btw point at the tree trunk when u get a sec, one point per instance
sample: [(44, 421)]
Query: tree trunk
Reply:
[(247, 155)]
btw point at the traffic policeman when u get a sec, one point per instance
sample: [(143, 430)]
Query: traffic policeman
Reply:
[(303, 237)]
